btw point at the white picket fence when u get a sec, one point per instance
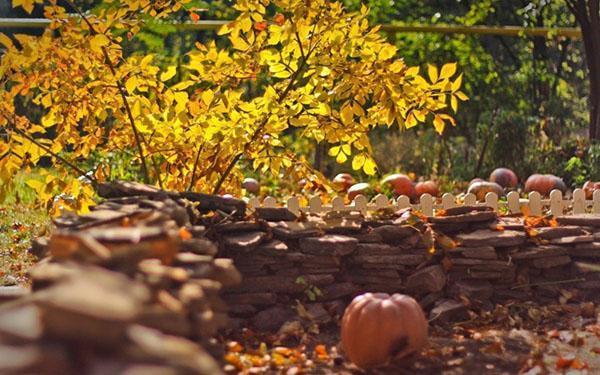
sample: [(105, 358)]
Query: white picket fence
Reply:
[(534, 205)]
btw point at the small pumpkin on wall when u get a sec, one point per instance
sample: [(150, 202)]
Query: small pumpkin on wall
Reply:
[(589, 187), (377, 328), (427, 187), (504, 177), (481, 188), (544, 184)]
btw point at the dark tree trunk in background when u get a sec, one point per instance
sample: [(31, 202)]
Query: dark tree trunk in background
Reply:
[(587, 13)]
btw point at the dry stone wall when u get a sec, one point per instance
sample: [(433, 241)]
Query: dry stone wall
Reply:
[(466, 254), (142, 282)]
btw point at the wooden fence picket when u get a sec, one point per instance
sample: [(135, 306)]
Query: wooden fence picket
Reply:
[(579, 203), (448, 201), (427, 204), (491, 200), (293, 204), (361, 203), (337, 204), (534, 205), (514, 202), (470, 199), (314, 205), (381, 201), (556, 202), (403, 201)]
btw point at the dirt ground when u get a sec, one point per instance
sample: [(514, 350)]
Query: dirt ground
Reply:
[(525, 338)]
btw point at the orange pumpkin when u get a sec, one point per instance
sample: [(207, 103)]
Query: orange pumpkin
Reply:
[(544, 184), (427, 187), (504, 177), (481, 188), (589, 187), (400, 184), (356, 189), (343, 181), (377, 328)]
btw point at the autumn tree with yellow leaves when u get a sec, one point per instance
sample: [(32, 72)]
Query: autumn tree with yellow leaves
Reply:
[(325, 75)]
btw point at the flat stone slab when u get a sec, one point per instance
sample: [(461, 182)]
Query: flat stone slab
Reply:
[(549, 262), (376, 249), (330, 244), (275, 214), (273, 248), (570, 240), (460, 210), (549, 233), (338, 290), (393, 234), (584, 220), (247, 241), (483, 252), (585, 250), (21, 323), (403, 259), (290, 230), (251, 298), (447, 311), (283, 284), (238, 226), (470, 217), (430, 279), (320, 260), (484, 237), (473, 289), (538, 252), (9, 293)]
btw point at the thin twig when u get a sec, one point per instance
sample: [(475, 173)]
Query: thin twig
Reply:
[(193, 181), (121, 88), (54, 155)]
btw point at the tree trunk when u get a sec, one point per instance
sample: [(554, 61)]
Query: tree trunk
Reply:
[(587, 13)]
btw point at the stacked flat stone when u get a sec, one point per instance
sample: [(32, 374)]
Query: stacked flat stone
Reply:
[(132, 287), (490, 259)]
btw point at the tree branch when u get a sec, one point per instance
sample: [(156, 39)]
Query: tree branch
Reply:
[(193, 181), (282, 96), (138, 137), (53, 154)]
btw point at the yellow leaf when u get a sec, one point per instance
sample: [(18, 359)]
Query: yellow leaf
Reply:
[(347, 115), (448, 70), (131, 84), (207, 97), (358, 161), (410, 121), (99, 41), (169, 73), (454, 103), (456, 84), (35, 184), (439, 124), (387, 52), (226, 29), (282, 74), (369, 167), (412, 71), (5, 41), (432, 71), (461, 95), (341, 158)]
